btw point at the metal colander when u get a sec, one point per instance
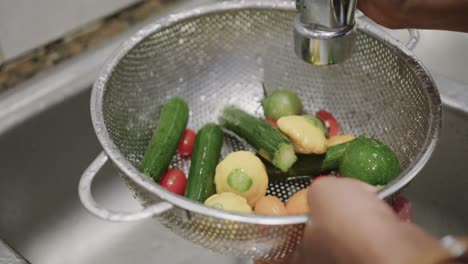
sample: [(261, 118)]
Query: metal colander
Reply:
[(219, 55)]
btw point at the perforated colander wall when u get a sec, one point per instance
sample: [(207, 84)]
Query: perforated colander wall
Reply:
[(221, 59)]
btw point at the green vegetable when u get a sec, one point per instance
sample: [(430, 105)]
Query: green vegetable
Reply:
[(266, 139), (205, 157), (281, 103), (239, 180), (172, 121), (310, 165), (318, 123), (369, 160)]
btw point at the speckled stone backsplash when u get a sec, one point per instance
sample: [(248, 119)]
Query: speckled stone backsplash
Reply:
[(42, 58)]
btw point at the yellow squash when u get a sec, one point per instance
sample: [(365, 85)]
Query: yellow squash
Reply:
[(229, 202), (340, 139), (244, 174), (306, 138)]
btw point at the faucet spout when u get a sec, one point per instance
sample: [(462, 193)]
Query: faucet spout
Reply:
[(324, 30)]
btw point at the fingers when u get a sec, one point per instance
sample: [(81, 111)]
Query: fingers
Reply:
[(346, 214), (350, 224), (390, 14), (332, 199)]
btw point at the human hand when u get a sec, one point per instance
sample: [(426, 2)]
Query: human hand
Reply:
[(352, 225)]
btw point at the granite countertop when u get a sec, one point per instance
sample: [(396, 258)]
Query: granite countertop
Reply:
[(42, 58)]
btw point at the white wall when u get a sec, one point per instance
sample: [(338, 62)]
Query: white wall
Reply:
[(26, 24)]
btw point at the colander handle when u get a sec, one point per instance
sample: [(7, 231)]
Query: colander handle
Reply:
[(93, 207), (414, 34), (414, 39)]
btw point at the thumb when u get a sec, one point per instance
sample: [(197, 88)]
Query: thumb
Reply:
[(350, 224)]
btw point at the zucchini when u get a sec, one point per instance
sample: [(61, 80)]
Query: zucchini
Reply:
[(205, 157), (266, 139), (163, 145), (310, 165)]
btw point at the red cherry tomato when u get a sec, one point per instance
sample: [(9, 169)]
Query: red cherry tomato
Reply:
[(272, 122), (329, 122), (402, 208), (174, 180), (186, 143)]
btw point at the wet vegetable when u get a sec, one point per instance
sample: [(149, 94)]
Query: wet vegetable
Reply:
[(369, 160), (318, 123), (186, 143), (244, 174), (267, 140), (229, 202), (310, 165), (270, 205), (340, 139), (271, 122), (206, 154), (402, 207), (175, 181), (297, 204), (329, 122), (306, 138), (166, 136), (282, 103)]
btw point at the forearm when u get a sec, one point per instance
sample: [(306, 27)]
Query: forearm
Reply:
[(438, 14), (422, 14)]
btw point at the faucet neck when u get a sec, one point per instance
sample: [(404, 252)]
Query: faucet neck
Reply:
[(326, 14), (324, 31)]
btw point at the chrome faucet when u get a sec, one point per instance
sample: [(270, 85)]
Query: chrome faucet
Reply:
[(324, 30)]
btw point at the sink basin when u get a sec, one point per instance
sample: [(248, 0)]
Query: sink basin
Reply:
[(42, 218), (439, 193), (41, 215), (45, 149)]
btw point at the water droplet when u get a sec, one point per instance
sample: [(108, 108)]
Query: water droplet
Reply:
[(181, 79), (202, 98), (181, 41)]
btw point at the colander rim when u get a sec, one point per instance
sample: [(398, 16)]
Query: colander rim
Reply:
[(118, 159)]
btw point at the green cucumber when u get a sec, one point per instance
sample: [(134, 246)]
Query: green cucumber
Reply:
[(266, 139), (205, 157), (310, 165), (166, 136)]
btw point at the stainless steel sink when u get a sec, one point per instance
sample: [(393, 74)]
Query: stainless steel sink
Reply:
[(439, 194), (42, 218), (41, 215), (46, 141)]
